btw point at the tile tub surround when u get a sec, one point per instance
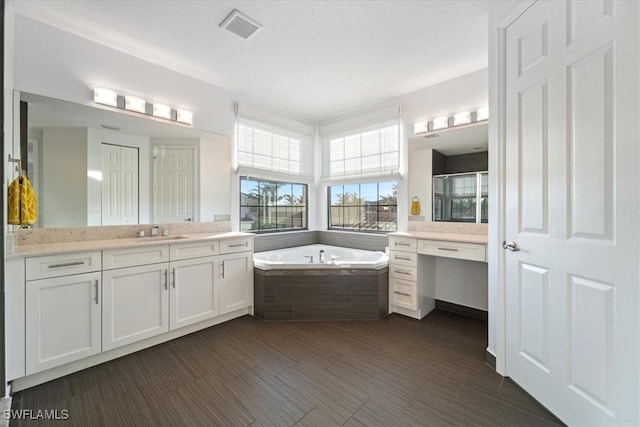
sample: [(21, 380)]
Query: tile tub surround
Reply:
[(345, 239), (340, 294), (39, 236)]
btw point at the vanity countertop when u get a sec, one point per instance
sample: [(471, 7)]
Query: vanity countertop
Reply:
[(449, 237), (98, 245)]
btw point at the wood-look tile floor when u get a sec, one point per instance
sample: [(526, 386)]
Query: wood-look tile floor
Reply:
[(246, 372)]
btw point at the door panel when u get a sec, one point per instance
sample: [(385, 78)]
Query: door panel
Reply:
[(175, 184), (572, 297)]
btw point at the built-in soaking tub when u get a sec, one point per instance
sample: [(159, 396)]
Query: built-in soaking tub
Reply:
[(349, 284)]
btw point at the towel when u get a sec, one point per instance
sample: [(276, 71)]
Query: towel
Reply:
[(23, 205)]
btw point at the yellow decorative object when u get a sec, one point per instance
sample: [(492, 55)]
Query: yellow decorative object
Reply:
[(415, 206), (13, 196), (23, 206)]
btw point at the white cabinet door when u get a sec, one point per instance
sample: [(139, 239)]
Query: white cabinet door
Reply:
[(62, 320), (135, 304), (236, 281), (193, 292)]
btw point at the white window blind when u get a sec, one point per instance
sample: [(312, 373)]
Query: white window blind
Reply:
[(261, 148), (373, 152)]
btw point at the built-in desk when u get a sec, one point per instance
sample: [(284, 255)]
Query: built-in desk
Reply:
[(412, 266)]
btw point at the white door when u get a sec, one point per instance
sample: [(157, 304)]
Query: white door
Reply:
[(135, 304), (62, 320), (572, 209), (193, 291), (119, 185), (236, 281), (174, 184)]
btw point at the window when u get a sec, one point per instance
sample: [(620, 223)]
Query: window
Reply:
[(364, 207), (273, 150), (272, 205), (371, 152), (455, 197)]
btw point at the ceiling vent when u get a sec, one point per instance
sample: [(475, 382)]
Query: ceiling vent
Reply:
[(240, 24)]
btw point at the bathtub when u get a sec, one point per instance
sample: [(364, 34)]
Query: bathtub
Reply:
[(349, 284), (334, 257)]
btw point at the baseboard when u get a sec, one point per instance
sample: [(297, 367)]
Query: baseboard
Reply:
[(491, 359), (461, 310)]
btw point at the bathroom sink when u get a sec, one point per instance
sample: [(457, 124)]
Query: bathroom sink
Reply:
[(158, 238)]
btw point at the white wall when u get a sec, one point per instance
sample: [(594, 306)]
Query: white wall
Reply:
[(215, 179), (64, 177), (459, 94)]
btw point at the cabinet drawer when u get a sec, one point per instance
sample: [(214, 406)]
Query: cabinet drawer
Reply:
[(405, 244), (238, 244), (470, 251), (43, 267), (403, 294), (403, 272), (129, 257), (403, 258), (193, 250)]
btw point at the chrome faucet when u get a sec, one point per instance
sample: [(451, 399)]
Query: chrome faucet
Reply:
[(321, 256), (310, 258)]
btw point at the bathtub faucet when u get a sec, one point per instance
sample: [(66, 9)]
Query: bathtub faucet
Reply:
[(321, 259), (310, 258)]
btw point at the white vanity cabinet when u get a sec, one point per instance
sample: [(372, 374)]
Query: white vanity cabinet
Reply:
[(135, 304), (412, 267), (62, 309), (236, 274), (76, 310), (193, 291)]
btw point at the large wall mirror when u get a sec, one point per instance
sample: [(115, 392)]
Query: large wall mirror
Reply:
[(459, 177), (93, 166)]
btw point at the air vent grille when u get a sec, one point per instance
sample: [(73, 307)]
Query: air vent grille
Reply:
[(240, 24)]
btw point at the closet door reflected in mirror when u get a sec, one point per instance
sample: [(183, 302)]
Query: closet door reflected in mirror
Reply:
[(461, 197), (119, 185)]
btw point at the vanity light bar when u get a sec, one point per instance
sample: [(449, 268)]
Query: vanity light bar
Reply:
[(139, 105), (184, 116), (162, 111), (453, 120)]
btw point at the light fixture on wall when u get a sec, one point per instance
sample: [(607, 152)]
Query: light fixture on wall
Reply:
[(161, 110), (133, 103), (105, 97), (184, 116), (451, 121), (140, 105)]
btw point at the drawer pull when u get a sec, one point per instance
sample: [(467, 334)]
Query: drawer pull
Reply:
[(404, 258), (239, 244), (67, 264), (402, 244), (402, 293), (165, 280), (448, 249), (173, 278), (97, 293), (403, 272)]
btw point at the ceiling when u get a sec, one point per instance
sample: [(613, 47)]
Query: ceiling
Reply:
[(316, 59), (454, 141)]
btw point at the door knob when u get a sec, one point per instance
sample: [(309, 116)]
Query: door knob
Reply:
[(512, 246)]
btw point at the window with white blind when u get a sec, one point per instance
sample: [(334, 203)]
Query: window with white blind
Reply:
[(366, 153), (264, 149)]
